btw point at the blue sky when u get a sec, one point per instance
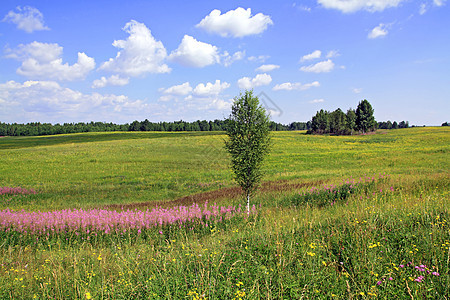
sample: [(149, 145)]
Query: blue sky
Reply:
[(81, 61)]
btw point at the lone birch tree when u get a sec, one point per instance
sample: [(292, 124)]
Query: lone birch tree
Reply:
[(248, 141)]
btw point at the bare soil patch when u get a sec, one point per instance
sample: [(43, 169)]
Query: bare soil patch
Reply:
[(215, 195)]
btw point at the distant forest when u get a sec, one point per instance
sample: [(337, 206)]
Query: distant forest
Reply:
[(324, 122), (36, 128)]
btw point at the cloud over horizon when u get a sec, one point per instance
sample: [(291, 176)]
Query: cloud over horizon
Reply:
[(47, 101), (43, 61)]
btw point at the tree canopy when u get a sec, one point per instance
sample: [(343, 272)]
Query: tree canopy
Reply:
[(248, 141)]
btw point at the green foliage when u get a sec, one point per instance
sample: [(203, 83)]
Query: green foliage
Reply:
[(365, 121), (248, 140), (320, 122), (338, 122), (351, 120)]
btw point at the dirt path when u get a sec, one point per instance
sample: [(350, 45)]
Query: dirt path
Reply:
[(215, 196)]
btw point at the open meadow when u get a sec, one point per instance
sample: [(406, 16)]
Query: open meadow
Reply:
[(156, 215)]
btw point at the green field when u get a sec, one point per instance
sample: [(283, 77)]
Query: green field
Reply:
[(370, 243)]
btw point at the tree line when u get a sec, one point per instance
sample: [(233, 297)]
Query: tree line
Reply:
[(37, 128), (353, 121), (337, 122)]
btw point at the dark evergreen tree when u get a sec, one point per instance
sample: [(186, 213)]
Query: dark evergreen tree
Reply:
[(338, 122), (320, 122), (351, 121), (365, 121)]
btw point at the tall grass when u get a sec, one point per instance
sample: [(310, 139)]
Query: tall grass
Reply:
[(337, 237)]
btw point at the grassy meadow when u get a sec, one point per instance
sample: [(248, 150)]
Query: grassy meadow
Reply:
[(337, 217)]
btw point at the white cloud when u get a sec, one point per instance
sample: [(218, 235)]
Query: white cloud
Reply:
[(357, 90), (228, 59), (140, 53), (112, 80), (260, 58), (288, 86), (192, 53), (219, 104), (349, 6), (320, 67), (332, 53), (180, 90), (317, 101), (43, 61), (258, 80), (313, 55), (439, 2), (202, 97), (210, 89), (27, 18), (379, 31), (235, 23), (267, 68), (48, 101)]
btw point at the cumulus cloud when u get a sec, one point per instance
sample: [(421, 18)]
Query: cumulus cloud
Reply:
[(235, 23), (27, 18), (350, 6), (267, 68), (379, 31), (317, 101), (43, 61), (179, 90), (139, 54), (48, 101), (228, 59), (210, 89), (315, 54), (258, 80), (205, 96), (288, 86), (320, 67), (112, 80), (192, 53)]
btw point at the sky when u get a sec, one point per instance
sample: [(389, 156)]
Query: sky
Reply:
[(117, 61)]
